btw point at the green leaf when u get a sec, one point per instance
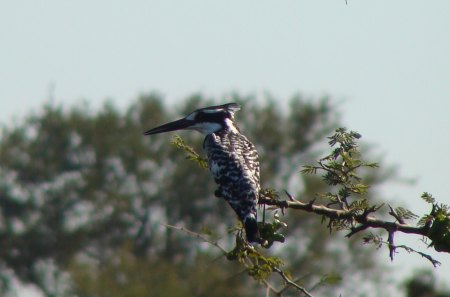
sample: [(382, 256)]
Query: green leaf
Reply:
[(359, 188), (307, 169), (440, 234), (405, 213), (192, 155), (428, 197), (331, 279), (424, 220), (359, 204)]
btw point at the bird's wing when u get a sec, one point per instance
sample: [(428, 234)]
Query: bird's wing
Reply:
[(232, 159), (248, 155)]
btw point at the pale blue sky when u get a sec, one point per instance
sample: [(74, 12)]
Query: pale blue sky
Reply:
[(389, 61)]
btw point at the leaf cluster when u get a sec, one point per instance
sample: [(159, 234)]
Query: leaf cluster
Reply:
[(438, 222), (257, 265), (340, 170), (192, 155), (269, 232)]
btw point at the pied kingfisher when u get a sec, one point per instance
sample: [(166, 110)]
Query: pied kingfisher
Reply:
[(232, 159)]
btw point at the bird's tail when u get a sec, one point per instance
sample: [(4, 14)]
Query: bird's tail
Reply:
[(251, 229)]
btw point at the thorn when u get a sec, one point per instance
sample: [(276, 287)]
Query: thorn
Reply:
[(398, 218), (291, 198), (311, 202)]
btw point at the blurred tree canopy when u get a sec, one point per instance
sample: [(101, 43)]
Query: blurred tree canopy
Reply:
[(423, 284), (84, 199)]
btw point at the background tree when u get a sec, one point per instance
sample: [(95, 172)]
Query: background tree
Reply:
[(423, 284), (85, 199)]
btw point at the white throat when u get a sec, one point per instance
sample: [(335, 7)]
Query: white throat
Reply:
[(208, 128)]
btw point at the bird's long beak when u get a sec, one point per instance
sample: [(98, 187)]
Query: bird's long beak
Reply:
[(172, 126)]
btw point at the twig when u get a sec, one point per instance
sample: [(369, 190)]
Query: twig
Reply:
[(397, 217), (197, 235), (411, 250), (246, 264), (291, 283), (391, 244)]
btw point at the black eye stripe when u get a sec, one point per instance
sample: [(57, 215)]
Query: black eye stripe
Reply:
[(210, 117)]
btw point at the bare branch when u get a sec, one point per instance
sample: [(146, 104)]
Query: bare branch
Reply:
[(198, 236), (363, 221), (411, 250)]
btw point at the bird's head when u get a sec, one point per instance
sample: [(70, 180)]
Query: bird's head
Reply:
[(205, 120)]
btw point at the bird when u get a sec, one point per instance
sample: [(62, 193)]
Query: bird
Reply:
[(232, 159)]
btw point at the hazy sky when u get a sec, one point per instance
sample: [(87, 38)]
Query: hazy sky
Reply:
[(387, 61)]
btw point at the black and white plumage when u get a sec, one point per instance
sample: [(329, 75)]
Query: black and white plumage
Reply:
[(232, 159)]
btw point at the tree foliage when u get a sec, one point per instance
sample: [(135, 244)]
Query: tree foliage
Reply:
[(423, 284)]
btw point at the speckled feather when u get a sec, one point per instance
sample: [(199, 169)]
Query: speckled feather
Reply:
[(233, 161)]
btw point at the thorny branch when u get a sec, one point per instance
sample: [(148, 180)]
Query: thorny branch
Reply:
[(348, 207), (339, 171), (363, 221)]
